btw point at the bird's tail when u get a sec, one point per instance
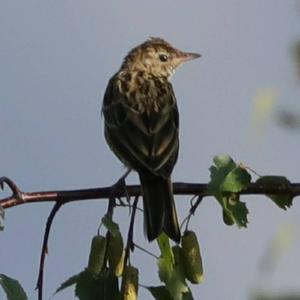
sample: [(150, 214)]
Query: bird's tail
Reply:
[(159, 207)]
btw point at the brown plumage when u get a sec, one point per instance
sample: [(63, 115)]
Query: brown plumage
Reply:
[(141, 127)]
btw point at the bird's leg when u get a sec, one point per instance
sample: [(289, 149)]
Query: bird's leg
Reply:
[(122, 179), (119, 187)]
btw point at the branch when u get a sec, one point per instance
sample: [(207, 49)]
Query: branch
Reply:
[(179, 188), (39, 285), (110, 193)]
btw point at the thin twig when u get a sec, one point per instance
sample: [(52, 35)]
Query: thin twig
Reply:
[(109, 214), (120, 185), (39, 285), (130, 206), (250, 169), (191, 211), (129, 244), (145, 250)]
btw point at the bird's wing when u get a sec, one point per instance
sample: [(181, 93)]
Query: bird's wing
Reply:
[(142, 140)]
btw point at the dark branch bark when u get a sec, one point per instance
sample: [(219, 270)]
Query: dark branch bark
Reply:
[(180, 188), (40, 280)]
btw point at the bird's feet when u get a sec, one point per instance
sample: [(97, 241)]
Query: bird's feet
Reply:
[(118, 189)]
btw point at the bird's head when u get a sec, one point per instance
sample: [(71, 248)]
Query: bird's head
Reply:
[(157, 58)]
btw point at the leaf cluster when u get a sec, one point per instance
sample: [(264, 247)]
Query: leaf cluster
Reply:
[(228, 180), (109, 276), (100, 279)]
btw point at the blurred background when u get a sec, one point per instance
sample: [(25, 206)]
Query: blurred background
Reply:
[(241, 98)]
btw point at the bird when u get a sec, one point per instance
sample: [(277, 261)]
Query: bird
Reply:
[(141, 127)]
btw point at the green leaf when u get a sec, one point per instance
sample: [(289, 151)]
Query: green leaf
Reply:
[(282, 201), (88, 287), (169, 272), (227, 180), (111, 226), (165, 269), (224, 161), (279, 182), (188, 296), (91, 287), (236, 210), (223, 165), (166, 259), (12, 288), (159, 292), (111, 286), (236, 180), (67, 283), (165, 247), (177, 285), (227, 219)]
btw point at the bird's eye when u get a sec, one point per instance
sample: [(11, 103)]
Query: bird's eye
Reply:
[(163, 57)]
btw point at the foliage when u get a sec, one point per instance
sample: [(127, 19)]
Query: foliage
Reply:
[(12, 288), (282, 201), (109, 273), (227, 180), (98, 281)]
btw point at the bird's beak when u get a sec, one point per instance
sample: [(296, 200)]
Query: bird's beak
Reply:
[(186, 56)]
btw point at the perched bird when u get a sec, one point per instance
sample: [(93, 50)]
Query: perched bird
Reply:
[(141, 127)]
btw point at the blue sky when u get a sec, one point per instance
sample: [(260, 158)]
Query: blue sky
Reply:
[(56, 58)]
